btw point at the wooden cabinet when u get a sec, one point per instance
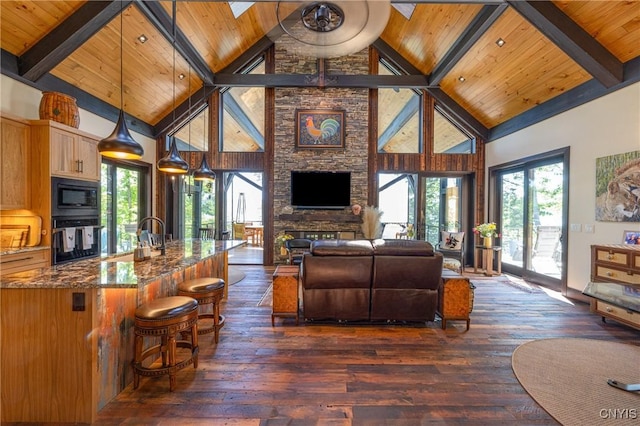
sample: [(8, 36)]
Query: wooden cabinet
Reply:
[(74, 155), (23, 261), (285, 292), (455, 298), (15, 187), (619, 265)]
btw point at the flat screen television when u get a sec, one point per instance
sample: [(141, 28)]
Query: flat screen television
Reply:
[(320, 190)]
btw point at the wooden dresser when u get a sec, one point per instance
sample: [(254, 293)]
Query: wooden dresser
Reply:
[(615, 283)]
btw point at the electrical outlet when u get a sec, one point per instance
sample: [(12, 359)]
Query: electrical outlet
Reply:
[(77, 302), (589, 228), (576, 227)]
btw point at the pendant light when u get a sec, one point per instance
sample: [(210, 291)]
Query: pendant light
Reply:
[(120, 144), (204, 173), (173, 163)]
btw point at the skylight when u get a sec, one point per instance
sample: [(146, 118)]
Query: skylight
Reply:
[(239, 7), (406, 9)]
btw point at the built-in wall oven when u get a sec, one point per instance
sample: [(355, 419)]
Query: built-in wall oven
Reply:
[(75, 216)]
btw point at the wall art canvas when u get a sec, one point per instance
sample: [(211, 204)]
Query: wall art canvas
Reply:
[(618, 188), (319, 128)]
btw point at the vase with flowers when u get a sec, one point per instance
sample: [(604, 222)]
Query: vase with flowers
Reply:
[(487, 231), (280, 242)]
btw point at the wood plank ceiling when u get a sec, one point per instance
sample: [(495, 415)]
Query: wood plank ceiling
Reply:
[(549, 49)]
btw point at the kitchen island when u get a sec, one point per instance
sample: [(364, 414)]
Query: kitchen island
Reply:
[(67, 330)]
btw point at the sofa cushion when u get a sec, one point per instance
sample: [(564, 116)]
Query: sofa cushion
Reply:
[(402, 248), (341, 248)]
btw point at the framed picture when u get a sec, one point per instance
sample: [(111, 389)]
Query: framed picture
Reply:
[(319, 128), (617, 178), (631, 237)]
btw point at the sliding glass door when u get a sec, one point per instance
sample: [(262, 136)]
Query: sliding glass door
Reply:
[(532, 212)]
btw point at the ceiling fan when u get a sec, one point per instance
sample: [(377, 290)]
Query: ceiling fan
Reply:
[(326, 29)]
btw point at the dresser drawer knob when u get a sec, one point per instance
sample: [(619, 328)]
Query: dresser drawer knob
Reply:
[(609, 273), (609, 256), (608, 309)]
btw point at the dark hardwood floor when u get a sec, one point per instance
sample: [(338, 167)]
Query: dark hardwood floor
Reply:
[(359, 374)]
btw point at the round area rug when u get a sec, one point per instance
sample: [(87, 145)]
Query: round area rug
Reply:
[(568, 378), (235, 275)]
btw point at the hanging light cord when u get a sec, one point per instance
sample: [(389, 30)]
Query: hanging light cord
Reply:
[(174, 61), (121, 63)]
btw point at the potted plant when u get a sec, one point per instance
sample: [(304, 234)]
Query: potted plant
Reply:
[(487, 231), (280, 241)]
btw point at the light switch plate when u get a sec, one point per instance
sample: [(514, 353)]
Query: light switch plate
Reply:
[(576, 227), (589, 228)]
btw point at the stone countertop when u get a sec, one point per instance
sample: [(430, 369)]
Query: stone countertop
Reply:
[(109, 272)]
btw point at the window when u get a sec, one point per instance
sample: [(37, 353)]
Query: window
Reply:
[(124, 202), (448, 138), (198, 206), (243, 109), (399, 112), (194, 135)]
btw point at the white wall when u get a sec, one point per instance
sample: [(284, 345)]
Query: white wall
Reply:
[(23, 101), (606, 126)]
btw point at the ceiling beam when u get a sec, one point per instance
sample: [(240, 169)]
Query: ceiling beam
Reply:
[(182, 111), (312, 80), (69, 35), (476, 29), (457, 113), (160, 19), (572, 39), (398, 60)]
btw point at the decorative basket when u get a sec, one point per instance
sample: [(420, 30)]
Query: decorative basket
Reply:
[(59, 107)]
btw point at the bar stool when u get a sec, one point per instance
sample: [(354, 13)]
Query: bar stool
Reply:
[(207, 291), (165, 318)]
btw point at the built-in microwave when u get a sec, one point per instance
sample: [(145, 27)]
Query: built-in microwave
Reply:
[(71, 197)]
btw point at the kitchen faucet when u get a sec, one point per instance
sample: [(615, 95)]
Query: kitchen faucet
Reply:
[(162, 231)]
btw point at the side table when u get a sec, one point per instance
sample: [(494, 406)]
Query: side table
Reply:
[(455, 298), (487, 259), (285, 292)]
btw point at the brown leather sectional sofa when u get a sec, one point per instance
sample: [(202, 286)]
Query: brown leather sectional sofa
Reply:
[(379, 280)]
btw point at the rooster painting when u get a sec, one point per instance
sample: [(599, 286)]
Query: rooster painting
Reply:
[(320, 129)]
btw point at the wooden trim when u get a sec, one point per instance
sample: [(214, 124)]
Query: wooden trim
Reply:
[(372, 146), (268, 183)]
